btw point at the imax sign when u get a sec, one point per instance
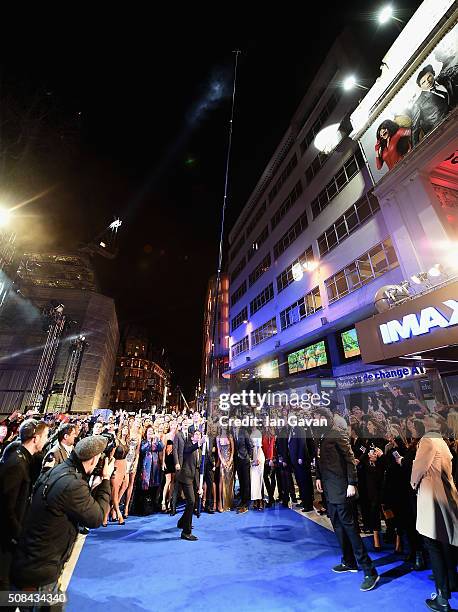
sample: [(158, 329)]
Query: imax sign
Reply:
[(413, 325)]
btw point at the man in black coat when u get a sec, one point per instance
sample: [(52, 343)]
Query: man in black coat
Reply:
[(187, 478), (242, 460), (62, 501), (15, 489), (438, 96), (300, 462), (336, 476), (178, 448)]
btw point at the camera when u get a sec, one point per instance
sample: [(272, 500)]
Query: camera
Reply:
[(107, 453)]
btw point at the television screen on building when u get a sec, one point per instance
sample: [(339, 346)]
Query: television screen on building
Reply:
[(269, 369), (312, 356), (420, 106), (350, 343)]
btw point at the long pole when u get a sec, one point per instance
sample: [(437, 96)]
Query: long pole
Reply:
[(219, 268)]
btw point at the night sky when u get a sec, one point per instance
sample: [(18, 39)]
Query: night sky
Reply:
[(127, 114)]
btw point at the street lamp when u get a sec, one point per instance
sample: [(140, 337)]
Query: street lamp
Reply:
[(386, 13), (5, 217), (328, 138), (350, 83)]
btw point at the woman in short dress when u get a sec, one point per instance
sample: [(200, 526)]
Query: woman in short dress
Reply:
[(119, 480), (225, 445), (135, 437)]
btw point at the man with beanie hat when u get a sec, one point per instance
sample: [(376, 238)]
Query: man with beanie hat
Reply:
[(62, 500), (336, 477)]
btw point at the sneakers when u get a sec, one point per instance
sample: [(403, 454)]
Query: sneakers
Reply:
[(369, 582), (342, 568), (188, 536)]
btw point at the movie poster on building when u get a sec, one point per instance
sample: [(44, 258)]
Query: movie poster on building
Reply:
[(417, 109)]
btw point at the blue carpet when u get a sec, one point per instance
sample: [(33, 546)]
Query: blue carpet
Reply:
[(275, 560)]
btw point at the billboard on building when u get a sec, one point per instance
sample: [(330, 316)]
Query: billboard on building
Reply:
[(419, 107), (350, 343), (312, 356)]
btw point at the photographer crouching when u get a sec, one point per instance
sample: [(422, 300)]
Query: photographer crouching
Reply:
[(62, 500)]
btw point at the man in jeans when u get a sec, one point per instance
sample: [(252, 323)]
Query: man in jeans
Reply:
[(336, 476)]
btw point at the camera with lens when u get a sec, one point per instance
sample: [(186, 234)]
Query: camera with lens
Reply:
[(107, 453)]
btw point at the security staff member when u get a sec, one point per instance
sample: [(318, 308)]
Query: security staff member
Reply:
[(15, 489), (336, 476)]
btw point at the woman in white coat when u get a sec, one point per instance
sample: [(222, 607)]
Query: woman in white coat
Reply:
[(437, 510), (257, 470)]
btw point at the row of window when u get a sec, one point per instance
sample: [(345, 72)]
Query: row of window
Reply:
[(306, 306), (356, 215), (282, 178), (262, 298), (368, 266), (260, 269), (239, 319), (286, 205), (264, 332), (286, 277), (256, 245), (238, 293), (315, 167), (240, 347), (322, 117), (349, 170), (252, 224), (240, 266), (290, 235), (237, 248)]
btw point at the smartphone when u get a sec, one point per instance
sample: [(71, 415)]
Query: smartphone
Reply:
[(396, 455)]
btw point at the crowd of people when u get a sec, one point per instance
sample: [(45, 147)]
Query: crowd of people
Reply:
[(365, 471)]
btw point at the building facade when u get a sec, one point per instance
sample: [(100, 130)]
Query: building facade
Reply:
[(325, 234), (220, 352), (67, 279), (140, 381)]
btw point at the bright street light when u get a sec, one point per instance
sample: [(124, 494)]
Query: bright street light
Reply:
[(349, 83), (328, 138), (385, 14), (5, 217)]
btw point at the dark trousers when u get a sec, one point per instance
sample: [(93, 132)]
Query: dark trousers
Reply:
[(304, 482), (185, 522), (269, 481), (6, 556), (243, 472), (353, 550), (285, 478), (443, 559), (176, 491), (209, 479)]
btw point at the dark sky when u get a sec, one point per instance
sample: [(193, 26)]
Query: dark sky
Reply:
[(126, 93)]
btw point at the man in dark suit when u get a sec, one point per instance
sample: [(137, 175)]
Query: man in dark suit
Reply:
[(438, 96), (178, 448), (300, 462), (336, 476), (61, 451), (187, 477), (242, 456)]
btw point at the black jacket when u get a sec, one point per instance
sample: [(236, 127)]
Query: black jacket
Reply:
[(178, 446), (189, 467), (427, 112), (243, 445), (62, 501), (335, 465), (15, 490)]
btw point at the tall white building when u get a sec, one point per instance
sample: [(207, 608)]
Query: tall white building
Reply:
[(317, 241)]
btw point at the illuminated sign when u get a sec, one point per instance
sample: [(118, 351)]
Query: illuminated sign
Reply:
[(350, 343), (377, 376), (307, 358), (415, 325)]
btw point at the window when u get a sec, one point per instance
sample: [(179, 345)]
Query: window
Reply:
[(240, 347), (262, 298), (257, 243), (239, 319), (235, 297), (264, 332), (281, 212), (252, 224), (348, 171), (306, 306), (356, 215), (290, 236), (315, 167), (316, 127), (259, 270), (282, 178), (286, 277), (236, 248), (239, 267), (368, 266)]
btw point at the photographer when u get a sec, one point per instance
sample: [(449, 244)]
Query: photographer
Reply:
[(61, 501)]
